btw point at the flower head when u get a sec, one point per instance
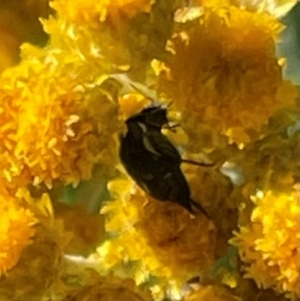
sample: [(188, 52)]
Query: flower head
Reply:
[(103, 23), (37, 268), (160, 236), (80, 11), (16, 230), (233, 74), (270, 245), (51, 125)]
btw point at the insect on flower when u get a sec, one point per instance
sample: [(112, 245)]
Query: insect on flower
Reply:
[(152, 160)]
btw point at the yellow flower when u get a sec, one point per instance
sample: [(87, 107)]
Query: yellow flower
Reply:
[(270, 245), (81, 11), (127, 33), (55, 123), (161, 236), (222, 71), (278, 162), (16, 230), (39, 264)]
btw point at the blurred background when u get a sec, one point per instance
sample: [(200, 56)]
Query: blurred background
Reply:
[(290, 45), (19, 23)]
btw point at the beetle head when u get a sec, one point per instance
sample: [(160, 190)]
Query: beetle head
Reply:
[(154, 115)]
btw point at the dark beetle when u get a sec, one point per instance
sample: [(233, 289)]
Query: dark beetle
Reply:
[(153, 161)]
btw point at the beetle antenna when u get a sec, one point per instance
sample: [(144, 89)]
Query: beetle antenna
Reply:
[(170, 103)]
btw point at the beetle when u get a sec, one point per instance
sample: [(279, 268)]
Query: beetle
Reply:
[(152, 161)]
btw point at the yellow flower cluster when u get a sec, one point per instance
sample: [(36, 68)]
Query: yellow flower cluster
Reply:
[(161, 236), (217, 91), (59, 120), (54, 125), (128, 34), (38, 266), (270, 245), (16, 230), (104, 24), (90, 11)]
